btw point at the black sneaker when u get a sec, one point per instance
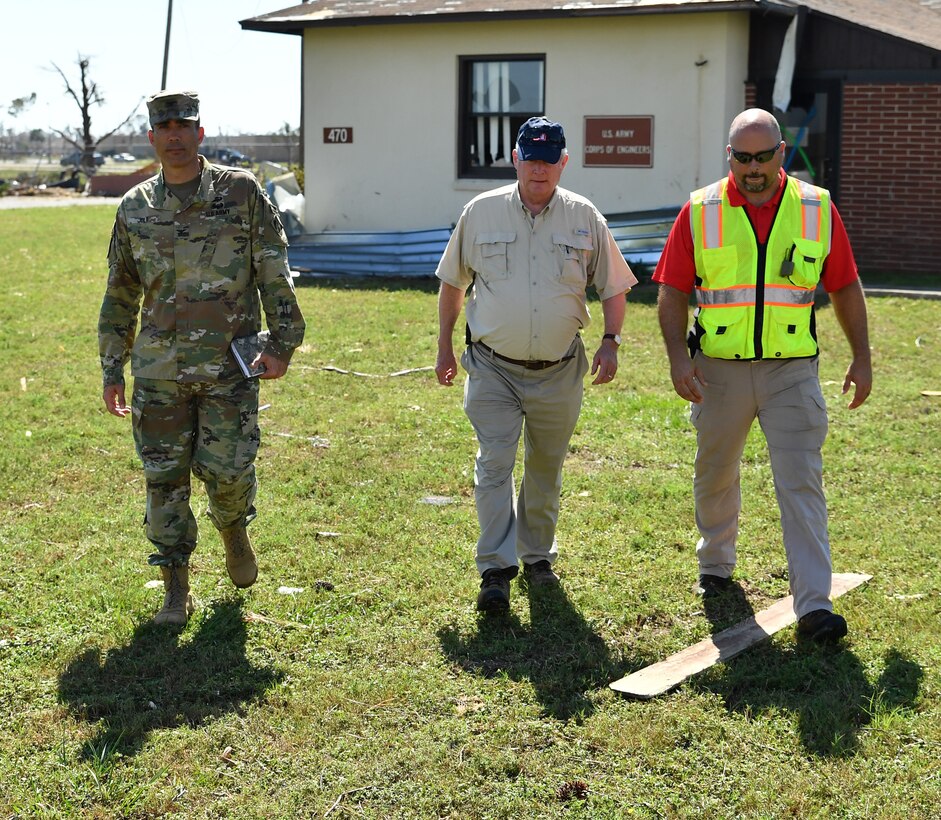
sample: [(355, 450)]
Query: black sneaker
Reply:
[(822, 626), (494, 595), (711, 586), (540, 574)]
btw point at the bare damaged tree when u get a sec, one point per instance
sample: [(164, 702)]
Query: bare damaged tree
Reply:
[(90, 95)]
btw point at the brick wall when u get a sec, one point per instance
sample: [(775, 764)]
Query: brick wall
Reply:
[(889, 196)]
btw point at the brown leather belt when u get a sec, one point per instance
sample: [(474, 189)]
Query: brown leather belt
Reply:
[(529, 364)]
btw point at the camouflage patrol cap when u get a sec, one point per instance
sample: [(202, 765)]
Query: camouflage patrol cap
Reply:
[(173, 105)]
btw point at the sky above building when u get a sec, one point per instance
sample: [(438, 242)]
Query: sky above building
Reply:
[(248, 81)]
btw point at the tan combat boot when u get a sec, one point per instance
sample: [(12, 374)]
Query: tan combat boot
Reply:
[(239, 556), (177, 601)]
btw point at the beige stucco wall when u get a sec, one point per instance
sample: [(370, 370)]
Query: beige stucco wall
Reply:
[(397, 86)]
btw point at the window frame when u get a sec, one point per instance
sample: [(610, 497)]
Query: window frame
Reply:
[(466, 129)]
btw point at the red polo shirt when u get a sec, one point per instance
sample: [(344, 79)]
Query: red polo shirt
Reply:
[(677, 265)]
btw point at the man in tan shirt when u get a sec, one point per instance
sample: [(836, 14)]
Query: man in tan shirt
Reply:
[(528, 252)]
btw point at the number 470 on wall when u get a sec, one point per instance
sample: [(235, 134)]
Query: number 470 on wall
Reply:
[(342, 135)]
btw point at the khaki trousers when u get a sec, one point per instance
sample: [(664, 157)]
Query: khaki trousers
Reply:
[(785, 397), (503, 400)]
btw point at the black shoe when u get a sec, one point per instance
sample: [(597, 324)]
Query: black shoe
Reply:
[(711, 586), (822, 626), (540, 574), (494, 595)]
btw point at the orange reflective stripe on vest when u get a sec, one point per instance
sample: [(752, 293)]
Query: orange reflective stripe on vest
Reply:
[(711, 216), (811, 204)]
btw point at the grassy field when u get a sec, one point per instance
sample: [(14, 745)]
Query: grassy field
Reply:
[(355, 678)]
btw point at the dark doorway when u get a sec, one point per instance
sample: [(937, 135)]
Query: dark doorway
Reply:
[(811, 129)]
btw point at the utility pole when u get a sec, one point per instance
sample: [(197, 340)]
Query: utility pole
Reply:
[(166, 45)]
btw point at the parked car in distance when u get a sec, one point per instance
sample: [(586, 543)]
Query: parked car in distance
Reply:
[(75, 158), (229, 156), (124, 157)]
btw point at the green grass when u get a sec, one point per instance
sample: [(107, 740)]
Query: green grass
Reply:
[(376, 691)]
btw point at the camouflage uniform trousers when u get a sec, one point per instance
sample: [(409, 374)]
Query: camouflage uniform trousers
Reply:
[(209, 430)]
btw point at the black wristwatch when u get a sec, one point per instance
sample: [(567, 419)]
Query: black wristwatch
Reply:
[(615, 336)]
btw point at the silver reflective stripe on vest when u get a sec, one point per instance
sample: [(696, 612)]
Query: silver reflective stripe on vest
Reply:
[(774, 295), (711, 216), (725, 297), (810, 213), (783, 295)]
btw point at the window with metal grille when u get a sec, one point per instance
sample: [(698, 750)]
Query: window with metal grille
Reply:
[(497, 95)]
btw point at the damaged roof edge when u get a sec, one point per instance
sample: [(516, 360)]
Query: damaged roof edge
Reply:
[(919, 23), (282, 22)]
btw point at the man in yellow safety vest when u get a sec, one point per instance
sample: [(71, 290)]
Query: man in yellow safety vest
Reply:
[(754, 246)]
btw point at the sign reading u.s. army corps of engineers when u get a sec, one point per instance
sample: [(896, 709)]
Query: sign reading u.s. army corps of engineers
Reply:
[(619, 142)]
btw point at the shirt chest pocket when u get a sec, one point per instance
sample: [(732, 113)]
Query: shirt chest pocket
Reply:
[(151, 243), (489, 256), (807, 257), (573, 252), (222, 243), (720, 268)]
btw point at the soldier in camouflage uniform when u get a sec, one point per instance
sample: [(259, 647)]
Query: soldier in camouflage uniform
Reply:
[(204, 249)]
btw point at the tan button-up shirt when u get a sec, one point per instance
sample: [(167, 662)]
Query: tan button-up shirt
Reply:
[(530, 274)]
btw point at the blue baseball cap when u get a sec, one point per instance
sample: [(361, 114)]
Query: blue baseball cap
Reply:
[(540, 139)]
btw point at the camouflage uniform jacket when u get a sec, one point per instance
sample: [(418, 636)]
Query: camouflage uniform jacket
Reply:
[(204, 269)]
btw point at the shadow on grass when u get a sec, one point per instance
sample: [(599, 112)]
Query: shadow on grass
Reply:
[(557, 652), (824, 685), (164, 677)]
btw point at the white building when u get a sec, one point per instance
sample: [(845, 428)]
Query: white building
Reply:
[(410, 107)]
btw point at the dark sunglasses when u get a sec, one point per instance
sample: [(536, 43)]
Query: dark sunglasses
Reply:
[(761, 157), (538, 135)]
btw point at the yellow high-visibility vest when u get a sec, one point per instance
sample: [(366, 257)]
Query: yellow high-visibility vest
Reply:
[(754, 301)]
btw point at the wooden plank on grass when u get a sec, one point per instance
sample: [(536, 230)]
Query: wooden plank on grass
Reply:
[(660, 677)]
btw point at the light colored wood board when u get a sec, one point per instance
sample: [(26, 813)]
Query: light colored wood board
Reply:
[(660, 677)]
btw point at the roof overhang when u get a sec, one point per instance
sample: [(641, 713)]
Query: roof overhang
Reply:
[(915, 21), (321, 14)]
